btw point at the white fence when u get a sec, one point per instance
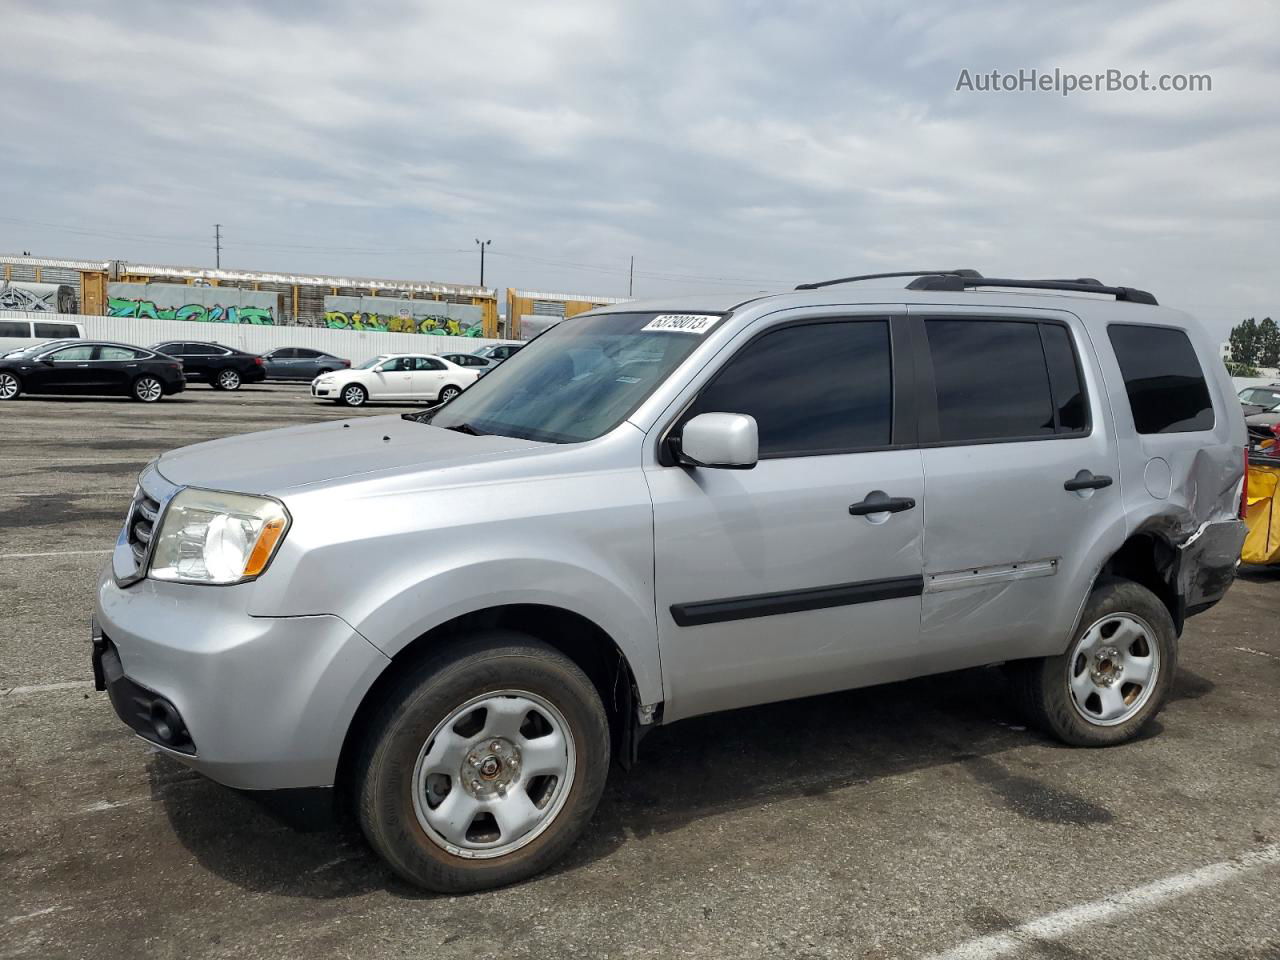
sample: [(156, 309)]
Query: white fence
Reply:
[(355, 345)]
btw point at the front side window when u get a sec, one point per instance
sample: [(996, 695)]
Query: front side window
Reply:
[(544, 394), (1162, 378), (73, 353), (993, 380), (814, 388)]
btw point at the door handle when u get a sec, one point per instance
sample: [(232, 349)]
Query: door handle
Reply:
[(1084, 480), (877, 501)]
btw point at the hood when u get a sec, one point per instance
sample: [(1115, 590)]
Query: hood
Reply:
[(275, 461)]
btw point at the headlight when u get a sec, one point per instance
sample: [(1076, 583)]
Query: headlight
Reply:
[(212, 537)]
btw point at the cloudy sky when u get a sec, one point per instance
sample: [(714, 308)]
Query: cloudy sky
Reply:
[(723, 144)]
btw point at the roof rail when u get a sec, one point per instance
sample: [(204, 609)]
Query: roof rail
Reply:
[(955, 281), (817, 284)]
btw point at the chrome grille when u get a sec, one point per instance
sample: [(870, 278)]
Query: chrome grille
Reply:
[(142, 526)]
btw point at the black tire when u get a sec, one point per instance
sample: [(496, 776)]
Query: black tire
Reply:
[(424, 698), (353, 395), (447, 393), (147, 389), (226, 380), (10, 386), (1043, 686)]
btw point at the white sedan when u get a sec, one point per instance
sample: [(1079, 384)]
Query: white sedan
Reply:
[(399, 376)]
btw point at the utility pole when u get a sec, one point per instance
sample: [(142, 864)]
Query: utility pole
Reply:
[(631, 279), (217, 245), (483, 244)]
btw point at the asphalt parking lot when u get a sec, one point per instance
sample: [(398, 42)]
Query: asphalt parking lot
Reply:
[(914, 820)]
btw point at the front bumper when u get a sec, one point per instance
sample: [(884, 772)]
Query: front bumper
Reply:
[(322, 391), (264, 703)]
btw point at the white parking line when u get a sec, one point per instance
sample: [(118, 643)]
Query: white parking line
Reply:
[(45, 687), (1055, 926), (1258, 653), (55, 553)]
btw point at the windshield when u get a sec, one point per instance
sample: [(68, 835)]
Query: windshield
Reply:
[(36, 348), (577, 381), (371, 362), (1261, 395)]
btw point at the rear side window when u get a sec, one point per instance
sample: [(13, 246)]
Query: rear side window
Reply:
[(119, 353), (992, 380), (15, 328), (1163, 379), (62, 331), (813, 388)]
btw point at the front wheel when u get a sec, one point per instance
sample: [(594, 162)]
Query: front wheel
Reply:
[(484, 765), (9, 386), (1115, 676), (227, 380), (354, 395), (147, 389)]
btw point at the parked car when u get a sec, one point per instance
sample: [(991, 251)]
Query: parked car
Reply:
[(459, 616), (17, 333), (300, 363), (1264, 430), (90, 367), (223, 368), (498, 351), (481, 364), (1260, 399), (402, 376)]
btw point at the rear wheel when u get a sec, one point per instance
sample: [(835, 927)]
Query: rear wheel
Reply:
[(227, 380), (447, 393), (9, 386), (1115, 676), (147, 389), (484, 765), (353, 395)]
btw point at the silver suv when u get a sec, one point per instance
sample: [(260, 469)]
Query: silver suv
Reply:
[(654, 511)]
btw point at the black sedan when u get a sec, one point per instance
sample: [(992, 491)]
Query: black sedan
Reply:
[(90, 367), (300, 363), (223, 368)]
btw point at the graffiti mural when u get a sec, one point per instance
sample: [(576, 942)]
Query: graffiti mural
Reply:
[(178, 301), (393, 315), (37, 297)]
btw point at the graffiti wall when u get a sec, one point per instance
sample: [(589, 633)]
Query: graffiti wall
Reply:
[(180, 301), (394, 315), (37, 297)]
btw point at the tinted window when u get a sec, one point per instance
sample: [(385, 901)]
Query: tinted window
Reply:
[(201, 350), (991, 379), (1163, 379), (426, 363), (1064, 379), (63, 331), (307, 354), (813, 388), (14, 328), (119, 353)]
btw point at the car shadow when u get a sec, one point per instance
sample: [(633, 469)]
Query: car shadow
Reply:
[(699, 768)]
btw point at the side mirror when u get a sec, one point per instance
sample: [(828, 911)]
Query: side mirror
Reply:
[(727, 441)]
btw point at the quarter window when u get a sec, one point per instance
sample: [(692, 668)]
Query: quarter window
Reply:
[(819, 388), (1163, 379), (993, 380)]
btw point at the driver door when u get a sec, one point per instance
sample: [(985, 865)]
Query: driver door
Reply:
[(773, 582), (71, 370), (391, 381)]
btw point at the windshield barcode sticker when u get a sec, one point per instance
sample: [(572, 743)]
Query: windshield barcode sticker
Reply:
[(698, 323)]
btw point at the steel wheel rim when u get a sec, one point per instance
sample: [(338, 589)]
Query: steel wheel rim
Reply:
[(148, 390), (353, 396), (508, 777), (8, 386), (1113, 669), (229, 379)]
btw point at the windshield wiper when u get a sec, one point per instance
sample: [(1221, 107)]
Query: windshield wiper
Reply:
[(465, 428)]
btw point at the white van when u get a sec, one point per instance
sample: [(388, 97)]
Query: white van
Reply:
[(16, 332)]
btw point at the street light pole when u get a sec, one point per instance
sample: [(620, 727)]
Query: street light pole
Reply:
[(483, 244)]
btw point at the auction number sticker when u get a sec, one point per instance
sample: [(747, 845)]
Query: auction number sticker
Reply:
[(698, 323)]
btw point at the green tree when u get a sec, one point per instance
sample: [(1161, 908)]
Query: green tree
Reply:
[(1244, 341), (1269, 343)]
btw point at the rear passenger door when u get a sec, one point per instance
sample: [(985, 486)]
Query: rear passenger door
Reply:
[(769, 586), (1021, 477)]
